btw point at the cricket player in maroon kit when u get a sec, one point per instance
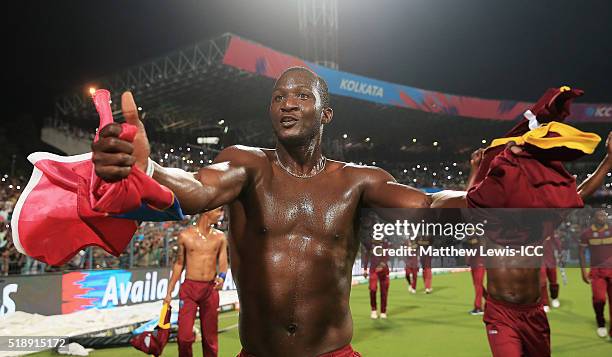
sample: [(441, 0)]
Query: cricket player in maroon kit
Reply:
[(548, 272), (201, 249), (598, 238), (425, 261), (524, 170), (376, 267), (477, 270), (411, 265)]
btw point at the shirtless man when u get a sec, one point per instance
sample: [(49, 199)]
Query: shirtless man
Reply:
[(200, 249), (513, 283), (294, 217)]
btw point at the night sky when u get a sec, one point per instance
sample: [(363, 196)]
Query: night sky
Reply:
[(491, 49)]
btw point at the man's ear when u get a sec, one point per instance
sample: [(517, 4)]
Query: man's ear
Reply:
[(326, 115)]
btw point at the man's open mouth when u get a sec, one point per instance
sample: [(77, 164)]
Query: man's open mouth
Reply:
[(288, 121)]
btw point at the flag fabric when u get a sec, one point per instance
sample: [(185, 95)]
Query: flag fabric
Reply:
[(66, 207)]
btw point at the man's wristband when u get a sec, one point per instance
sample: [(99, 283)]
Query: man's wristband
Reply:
[(222, 276), (150, 167)]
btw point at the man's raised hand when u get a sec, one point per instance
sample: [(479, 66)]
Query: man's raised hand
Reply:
[(112, 157), (476, 158), (141, 142)]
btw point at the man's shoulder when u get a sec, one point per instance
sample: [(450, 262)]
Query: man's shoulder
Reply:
[(186, 234), (363, 176), (243, 150), (219, 234), (362, 173), (242, 154)]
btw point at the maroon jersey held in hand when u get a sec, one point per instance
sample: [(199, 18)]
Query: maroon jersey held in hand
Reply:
[(523, 181)]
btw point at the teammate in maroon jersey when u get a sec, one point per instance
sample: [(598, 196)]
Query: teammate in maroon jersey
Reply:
[(548, 271), (598, 238), (425, 260), (477, 270), (376, 267), (411, 267)]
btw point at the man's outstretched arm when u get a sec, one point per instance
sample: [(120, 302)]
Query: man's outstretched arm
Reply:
[(594, 182), (475, 160), (383, 191), (212, 186)]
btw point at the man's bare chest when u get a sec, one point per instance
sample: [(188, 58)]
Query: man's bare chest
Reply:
[(320, 204), (200, 246)]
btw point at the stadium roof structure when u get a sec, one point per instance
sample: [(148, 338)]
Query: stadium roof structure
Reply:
[(189, 91)]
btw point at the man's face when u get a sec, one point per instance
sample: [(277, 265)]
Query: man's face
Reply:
[(215, 215), (296, 109), (601, 217)]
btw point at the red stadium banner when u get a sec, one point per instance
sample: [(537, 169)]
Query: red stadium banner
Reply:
[(255, 58)]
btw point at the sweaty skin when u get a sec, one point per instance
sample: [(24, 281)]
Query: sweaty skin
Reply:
[(202, 255), (292, 240), (292, 247), (507, 283)]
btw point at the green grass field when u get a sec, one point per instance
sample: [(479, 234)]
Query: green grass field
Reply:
[(434, 325)]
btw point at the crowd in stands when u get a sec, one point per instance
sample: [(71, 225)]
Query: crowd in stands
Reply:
[(10, 259)]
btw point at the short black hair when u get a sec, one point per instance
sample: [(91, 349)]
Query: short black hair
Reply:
[(321, 83)]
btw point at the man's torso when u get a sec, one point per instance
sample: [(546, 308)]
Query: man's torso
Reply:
[(292, 249), (201, 254)]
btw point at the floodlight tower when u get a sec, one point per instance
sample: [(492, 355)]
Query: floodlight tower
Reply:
[(318, 25)]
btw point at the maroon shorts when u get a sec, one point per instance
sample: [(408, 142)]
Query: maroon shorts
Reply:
[(346, 351), (516, 330), (602, 273), (196, 295)]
